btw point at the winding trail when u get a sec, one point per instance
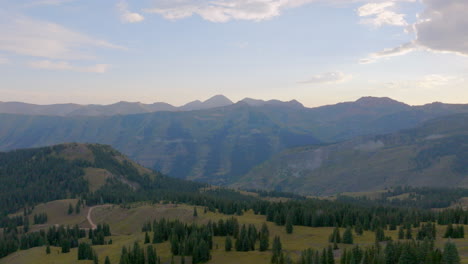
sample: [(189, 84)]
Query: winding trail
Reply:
[(90, 220)]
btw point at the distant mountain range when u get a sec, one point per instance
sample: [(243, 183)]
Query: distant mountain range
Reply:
[(124, 108), (120, 108), (219, 144), (434, 154)]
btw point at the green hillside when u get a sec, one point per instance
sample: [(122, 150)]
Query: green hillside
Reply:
[(90, 171), (433, 154)]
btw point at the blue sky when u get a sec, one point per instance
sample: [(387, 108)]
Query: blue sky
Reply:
[(316, 51)]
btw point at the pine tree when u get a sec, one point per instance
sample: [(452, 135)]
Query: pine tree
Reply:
[(450, 255), (147, 238), (195, 213), (401, 233), (289, 224), (379, 235), (449, 231), (264, 238), (406, 256), (107, 260), (48, 249), (78, 208), (277, 257), (348, 236), (358, 228), (330, 256), (228, 244), (151, 255), (409, 233), (335, 237), (70, 209)]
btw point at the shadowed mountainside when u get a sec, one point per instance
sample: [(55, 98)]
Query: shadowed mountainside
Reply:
[(433, 154)]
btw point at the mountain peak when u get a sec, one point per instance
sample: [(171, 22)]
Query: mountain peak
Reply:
[(218, 100), (371, 101)]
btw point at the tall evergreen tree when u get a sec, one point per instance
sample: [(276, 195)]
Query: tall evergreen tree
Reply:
[(289, 223), (228, 244), (70, 209), (450, 254), (348, 236), (264, 238)]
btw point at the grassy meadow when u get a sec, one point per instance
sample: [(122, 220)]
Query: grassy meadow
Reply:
[(126, 223)]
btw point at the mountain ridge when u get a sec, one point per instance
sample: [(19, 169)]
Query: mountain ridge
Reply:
[(126, 108)]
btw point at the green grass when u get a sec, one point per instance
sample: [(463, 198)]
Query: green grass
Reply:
[(126, 223)]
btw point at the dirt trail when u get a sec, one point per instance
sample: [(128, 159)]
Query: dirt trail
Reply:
[(90, 220)]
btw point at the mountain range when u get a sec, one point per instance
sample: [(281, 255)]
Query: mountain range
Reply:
[(123, 108), (221, 145)]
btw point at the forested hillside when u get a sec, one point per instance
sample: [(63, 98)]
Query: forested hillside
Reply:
[(433, 154)]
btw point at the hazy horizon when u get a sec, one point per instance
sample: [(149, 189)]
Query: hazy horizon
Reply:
[(234, 101)]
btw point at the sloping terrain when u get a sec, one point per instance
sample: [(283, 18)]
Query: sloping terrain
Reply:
[(219, 145), (32, 176), (433, 154)]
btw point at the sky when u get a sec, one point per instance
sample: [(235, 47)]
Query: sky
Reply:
[(315, 51)]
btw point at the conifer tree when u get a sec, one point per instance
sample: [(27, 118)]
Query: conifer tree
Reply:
[(78, 208), (289, 224), (147, 238), (228, 244), (450, 255), (264, 238), (409, 233), (406, 256), (348, 236), (330, 256), (277, 257), (107, 260), (70, 209), (48, 249)]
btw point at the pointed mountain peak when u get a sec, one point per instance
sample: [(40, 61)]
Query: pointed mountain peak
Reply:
[(218, 100)]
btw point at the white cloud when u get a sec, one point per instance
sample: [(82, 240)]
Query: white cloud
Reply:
[(126, 16), (379, 14), (46, 2), (66, 66), (387, 53), (223, 10), (441, 27), (328, 78), (37, 38)]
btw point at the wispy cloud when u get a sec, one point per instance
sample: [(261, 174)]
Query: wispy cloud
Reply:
[(392, 52), (30, 37), (328, 78), (126, 16), (66, 66), (223, 10), (379, 14), (46, 3)]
